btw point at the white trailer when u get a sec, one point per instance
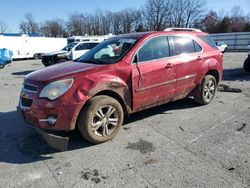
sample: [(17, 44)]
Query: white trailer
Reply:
[(25, 46)]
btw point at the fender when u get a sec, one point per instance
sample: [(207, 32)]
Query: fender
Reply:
[(106, 83), (208, 65)]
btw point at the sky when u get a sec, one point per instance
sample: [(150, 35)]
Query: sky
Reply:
[(12, 11)]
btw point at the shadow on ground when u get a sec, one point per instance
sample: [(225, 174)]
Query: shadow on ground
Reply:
[(235, 74), (20, 144), (163, 109)]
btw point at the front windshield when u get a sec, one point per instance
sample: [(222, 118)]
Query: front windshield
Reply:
[(69, 46), (109, 51)]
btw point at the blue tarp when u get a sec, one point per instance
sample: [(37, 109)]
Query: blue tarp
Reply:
[(5, 56)]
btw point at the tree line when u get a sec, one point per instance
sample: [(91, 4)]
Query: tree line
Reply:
[(154, 15)]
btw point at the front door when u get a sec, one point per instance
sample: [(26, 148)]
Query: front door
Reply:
[(153, 75)]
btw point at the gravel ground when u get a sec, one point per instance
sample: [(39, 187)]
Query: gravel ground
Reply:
[(179, 144)]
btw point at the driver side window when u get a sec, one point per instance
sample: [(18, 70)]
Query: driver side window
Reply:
[(81, 47), (155, 48)]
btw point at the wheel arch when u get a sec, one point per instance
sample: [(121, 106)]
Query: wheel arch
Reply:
[(110, 93), (116, 96), (215, 74)]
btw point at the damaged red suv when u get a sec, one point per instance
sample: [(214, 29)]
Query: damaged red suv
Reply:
[(122, 75)]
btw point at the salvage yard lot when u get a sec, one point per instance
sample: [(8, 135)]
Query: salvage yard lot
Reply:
[(180, 144)]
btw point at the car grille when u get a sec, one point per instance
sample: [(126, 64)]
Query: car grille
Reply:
[(26, 102), (47, 60), (30, 88)]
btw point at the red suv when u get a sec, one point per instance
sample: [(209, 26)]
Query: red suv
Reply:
[(122, 75)]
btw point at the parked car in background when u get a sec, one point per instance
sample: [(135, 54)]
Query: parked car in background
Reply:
[(120, 76), (221, 45), (70, 52), (5, 57), (246, 64), (248, 46)]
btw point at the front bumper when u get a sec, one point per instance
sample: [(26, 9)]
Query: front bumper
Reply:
[(37, 111), (55, 141)]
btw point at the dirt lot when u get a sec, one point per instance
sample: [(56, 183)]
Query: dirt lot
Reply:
[(175, 145)]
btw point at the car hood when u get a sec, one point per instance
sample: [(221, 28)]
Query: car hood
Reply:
[(61, 70), (55, 53)]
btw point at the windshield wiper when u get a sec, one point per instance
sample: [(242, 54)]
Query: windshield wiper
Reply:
[(92, 61)]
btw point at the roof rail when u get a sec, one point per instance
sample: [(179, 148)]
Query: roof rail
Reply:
[(182, 29)]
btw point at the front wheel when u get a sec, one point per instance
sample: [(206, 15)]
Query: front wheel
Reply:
[(37, 56), (205, 92), (1, 66), (101, 119)]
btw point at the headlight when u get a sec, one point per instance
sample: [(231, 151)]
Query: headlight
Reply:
[(61, 55), (56, 89), (70, 56)]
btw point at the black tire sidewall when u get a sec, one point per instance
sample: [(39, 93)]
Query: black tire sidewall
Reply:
[(246, 65), (86, 116)]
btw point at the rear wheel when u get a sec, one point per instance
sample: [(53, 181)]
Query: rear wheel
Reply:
[(205, 92), (101, 119), (246, 65)]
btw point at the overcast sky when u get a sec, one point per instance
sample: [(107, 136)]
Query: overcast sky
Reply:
[(13, 11)]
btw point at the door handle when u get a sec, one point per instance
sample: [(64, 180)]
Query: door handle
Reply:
[(169, 65), (199, 58)]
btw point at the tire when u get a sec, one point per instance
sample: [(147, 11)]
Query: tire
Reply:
[(96, 112), (1, 66), (62, 60), (37, 56), (205, 92), (246, 65)]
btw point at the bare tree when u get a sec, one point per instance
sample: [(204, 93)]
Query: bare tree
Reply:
[(138, 21), (186, 12), (29, 25), (116, 23), (76, 24), (211, 22), (54, 28), (127, 21), (238, 20), (156, 14), (225, 25), (3, 27), (96, 23), (105, 23)]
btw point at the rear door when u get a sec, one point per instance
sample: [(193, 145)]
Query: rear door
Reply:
[(153, 78), (188, 59)]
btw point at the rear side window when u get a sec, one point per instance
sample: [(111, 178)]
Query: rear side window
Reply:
[(155, 48), (207, 39), (184, 45), (197, 47)]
